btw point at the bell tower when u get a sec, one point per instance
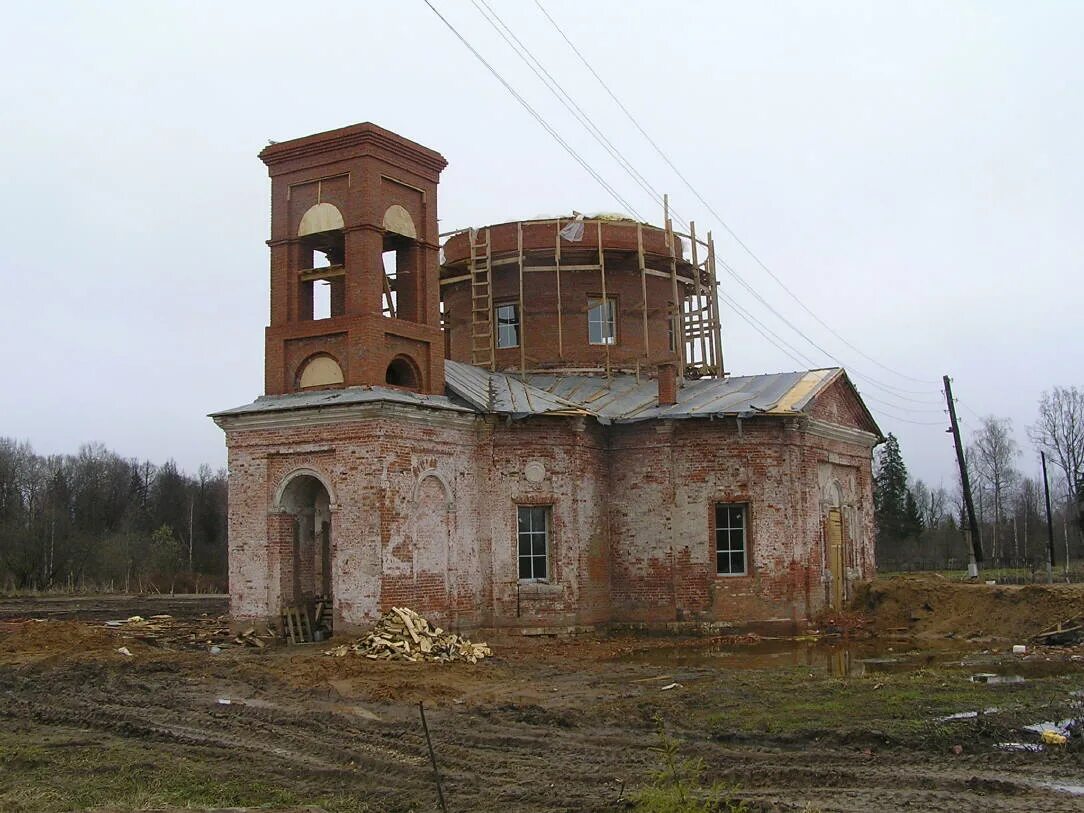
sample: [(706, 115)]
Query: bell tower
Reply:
[(355, 293)]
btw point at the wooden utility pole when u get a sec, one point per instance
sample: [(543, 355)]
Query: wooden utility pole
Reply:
[(1049, 525), (975, 546)]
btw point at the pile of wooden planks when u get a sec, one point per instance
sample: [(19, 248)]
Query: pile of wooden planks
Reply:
[(1068, 633), (188, 633), (402, 634)]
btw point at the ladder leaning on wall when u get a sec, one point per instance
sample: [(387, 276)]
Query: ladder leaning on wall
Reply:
[(481, 273)]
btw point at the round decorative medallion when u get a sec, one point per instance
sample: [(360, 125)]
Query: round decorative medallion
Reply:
[(535, 472)]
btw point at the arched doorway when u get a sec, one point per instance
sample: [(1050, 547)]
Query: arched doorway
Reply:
[(309, 586)]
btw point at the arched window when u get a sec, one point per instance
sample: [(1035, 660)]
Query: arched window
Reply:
[(324, 243), (402, 373), (320, 371), (320, 218)]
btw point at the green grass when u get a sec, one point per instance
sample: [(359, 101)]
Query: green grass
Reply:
[(62, 774), (901, 708)]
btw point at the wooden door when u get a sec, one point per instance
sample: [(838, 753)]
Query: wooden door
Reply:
[(835, 556)]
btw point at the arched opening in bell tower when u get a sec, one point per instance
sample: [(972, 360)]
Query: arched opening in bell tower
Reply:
[(402, 372), (307, 573), (322, 241)]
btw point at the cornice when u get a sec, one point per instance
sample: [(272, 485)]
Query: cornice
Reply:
[(344, 413), (845, 434), (368, 137)]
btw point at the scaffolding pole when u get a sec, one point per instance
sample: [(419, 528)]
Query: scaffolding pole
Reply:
[(716, 320), (607, 339), (557, 258), (522, 312), (676, 317), (643, 291)]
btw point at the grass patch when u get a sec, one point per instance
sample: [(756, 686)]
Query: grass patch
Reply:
[(63, 773), (901, 707)]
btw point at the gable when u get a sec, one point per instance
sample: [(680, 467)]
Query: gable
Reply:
[(840, 403)]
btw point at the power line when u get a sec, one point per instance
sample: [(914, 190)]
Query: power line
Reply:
[(768, 333), (891, 390), (782, 345), (535, 114), (524, 53), (710, 208), (551, 83)]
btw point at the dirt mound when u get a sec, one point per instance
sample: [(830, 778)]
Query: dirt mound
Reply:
[(934, 606), (54, 638)]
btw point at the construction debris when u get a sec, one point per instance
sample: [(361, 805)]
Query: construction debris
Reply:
[(171, 633), (1066, 633), (402, 634)]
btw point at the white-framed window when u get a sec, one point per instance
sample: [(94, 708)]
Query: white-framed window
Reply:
[(507, 321), (731, 548), (601, 327), (534, 542)]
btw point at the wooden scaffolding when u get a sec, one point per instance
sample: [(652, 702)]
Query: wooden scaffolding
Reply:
[(695, 323)]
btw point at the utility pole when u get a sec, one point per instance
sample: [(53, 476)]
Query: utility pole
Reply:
[(972, 534), (191, 512), (1049, 524)]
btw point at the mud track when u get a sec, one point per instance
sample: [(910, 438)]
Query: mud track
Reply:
[(543, 726), (515, 751)]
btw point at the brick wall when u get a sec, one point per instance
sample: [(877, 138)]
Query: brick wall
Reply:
[(423, 513)]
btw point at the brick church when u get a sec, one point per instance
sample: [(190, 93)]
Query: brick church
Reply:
[(526, 424)]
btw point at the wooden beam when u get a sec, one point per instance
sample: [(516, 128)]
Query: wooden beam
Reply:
[(313, 274), (522, 313), (643, 291)]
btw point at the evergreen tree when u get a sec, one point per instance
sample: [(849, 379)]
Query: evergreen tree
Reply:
[(890, 493), (912, 516)]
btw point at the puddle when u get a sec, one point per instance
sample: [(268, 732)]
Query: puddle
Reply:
[(966, 715), (853, 658), (838, 659), (1072, 790), (991, 679)]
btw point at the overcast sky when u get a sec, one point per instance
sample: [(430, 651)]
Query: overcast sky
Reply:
[(913, 172)]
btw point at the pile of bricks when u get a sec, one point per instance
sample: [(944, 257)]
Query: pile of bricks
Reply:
[(402, 634)]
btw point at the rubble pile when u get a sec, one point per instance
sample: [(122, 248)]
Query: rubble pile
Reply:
[(173, 633), (402, 634)]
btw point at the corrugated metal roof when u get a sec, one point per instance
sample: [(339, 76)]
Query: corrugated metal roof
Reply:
[(617, 399), (343, 397), (622, 398), (503, 393)]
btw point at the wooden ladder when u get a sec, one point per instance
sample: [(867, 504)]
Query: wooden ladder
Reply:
[(481, 326)]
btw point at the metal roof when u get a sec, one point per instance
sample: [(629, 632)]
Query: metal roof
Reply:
[(623, 399), (504, 393), (343, 397), (615, 399)]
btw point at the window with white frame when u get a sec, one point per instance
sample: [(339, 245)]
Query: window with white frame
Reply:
[(534, 542), (731, 546), (601, 328), (507, 324)]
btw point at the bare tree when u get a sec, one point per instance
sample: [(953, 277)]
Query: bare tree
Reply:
[(1060, 432), (932, 504), (993, 453)]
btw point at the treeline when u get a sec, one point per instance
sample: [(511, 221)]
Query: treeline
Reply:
[(97, 521), (920, 527)]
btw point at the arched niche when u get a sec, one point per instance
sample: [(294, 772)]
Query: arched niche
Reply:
[(397, 220), (320, 371), (438, 481), (403, 372), (320, 218)]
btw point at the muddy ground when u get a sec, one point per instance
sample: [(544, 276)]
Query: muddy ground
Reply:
[(813, 723)]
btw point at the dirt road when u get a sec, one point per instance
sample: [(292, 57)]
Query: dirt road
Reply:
[(542, 726)]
